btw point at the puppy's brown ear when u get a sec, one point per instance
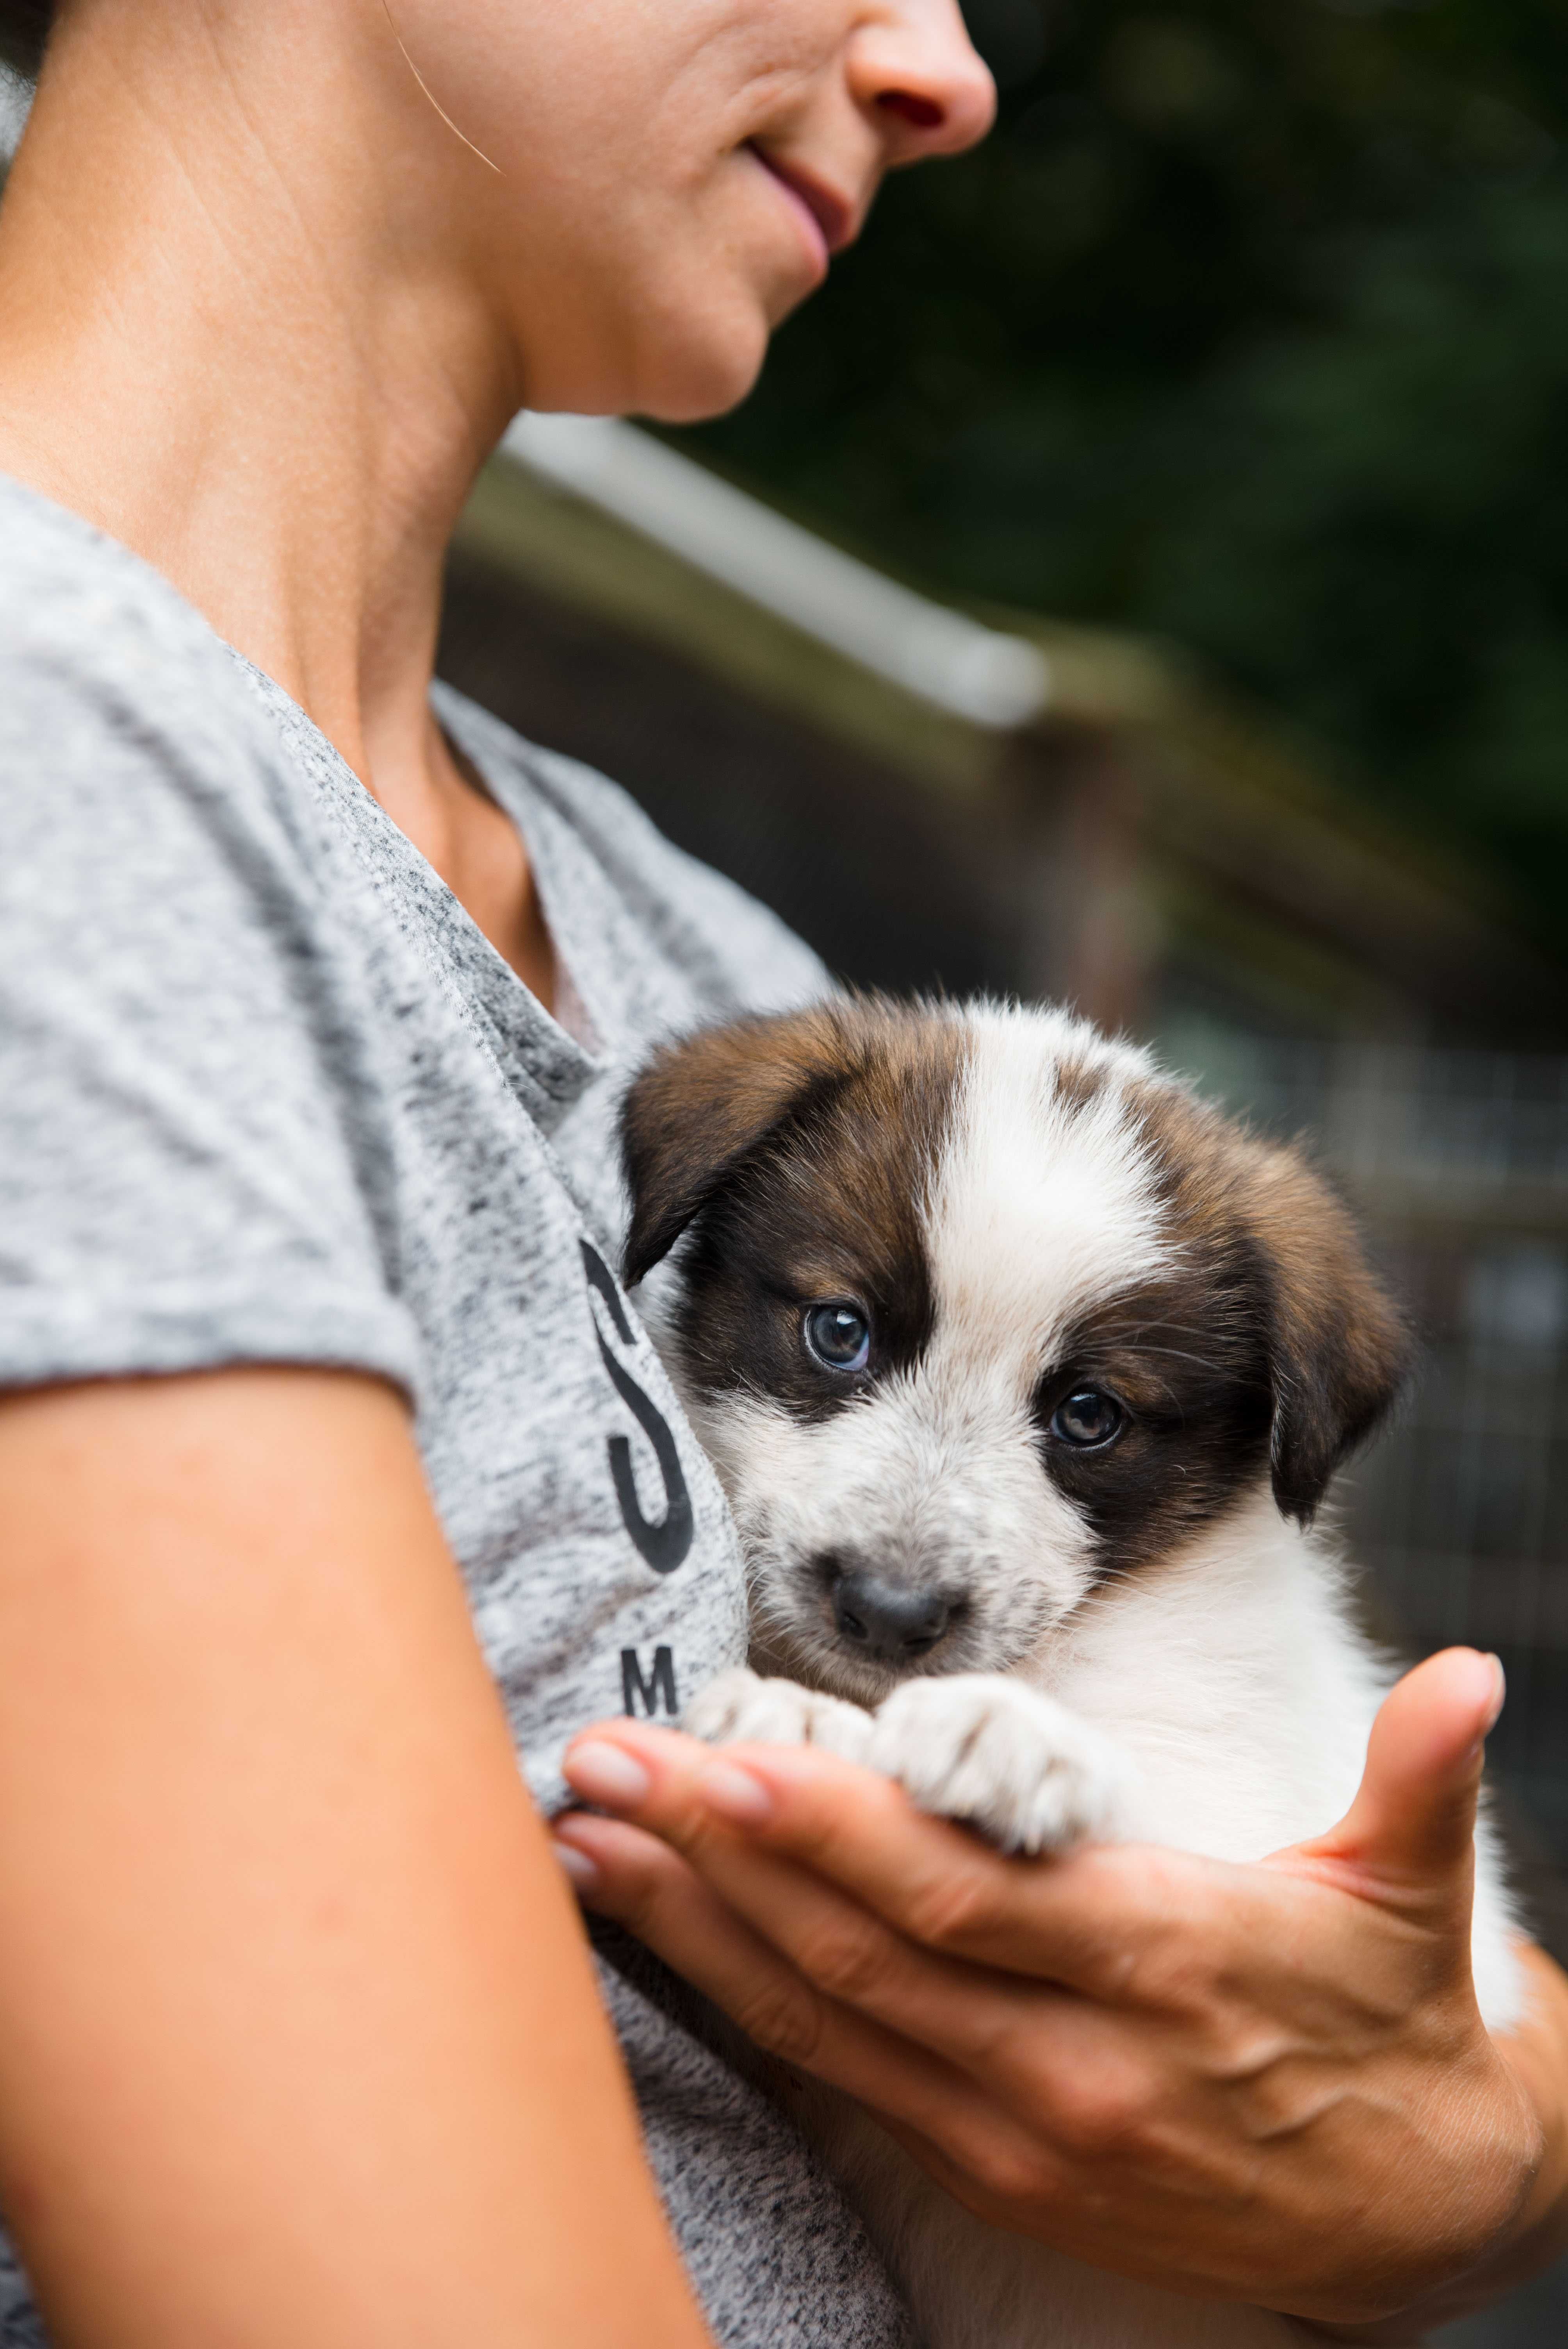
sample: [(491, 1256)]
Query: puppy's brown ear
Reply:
[(1341, 1349), (702, 1105)]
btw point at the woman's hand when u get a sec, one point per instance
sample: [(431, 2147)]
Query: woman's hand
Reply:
[(1269, 2084)]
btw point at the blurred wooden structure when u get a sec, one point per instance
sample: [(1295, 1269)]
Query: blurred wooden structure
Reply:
[(1124, 836)]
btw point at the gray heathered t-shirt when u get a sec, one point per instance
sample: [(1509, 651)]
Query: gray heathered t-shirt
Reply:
[(268, 1095)]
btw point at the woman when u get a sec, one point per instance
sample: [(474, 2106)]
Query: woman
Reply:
[(320, 1500)]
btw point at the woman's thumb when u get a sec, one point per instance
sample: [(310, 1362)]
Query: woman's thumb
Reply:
[(1412, 1824)]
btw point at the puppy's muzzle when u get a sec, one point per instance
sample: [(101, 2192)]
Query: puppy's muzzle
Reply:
[(885, 1621)]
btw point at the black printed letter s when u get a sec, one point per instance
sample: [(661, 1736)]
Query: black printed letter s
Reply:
[(664, 1543)]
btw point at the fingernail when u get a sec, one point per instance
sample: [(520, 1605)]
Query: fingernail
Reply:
[(606, 1775), (735, 1794), (576, 1865), (1493, 1711)]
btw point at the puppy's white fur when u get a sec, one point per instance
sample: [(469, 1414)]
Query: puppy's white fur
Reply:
[(1216, 1700)]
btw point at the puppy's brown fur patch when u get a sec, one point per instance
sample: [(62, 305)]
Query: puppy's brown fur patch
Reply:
[(796, 1153), (1278, 1240)]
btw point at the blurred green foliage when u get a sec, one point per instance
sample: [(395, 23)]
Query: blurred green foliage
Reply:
[(1249, 327)]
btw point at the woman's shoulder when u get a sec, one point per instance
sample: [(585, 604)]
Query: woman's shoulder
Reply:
[(122, 707), (71, 593), (730, 950)]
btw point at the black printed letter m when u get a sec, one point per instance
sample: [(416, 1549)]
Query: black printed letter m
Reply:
[(649, 1696)]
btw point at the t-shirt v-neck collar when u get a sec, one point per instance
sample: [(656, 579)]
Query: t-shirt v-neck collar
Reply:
[(549, 1066)]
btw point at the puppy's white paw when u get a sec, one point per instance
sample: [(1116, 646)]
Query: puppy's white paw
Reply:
[(739, 1706), (990, 1750)]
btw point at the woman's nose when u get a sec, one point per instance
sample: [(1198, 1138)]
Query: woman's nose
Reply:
[(915, 71)]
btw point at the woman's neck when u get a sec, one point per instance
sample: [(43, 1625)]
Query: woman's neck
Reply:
[(226, 346)]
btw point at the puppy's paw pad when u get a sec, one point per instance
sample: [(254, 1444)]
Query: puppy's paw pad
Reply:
[(738, 1707), (1028, 1774)]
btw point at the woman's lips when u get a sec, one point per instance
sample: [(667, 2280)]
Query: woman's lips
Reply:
[(828, 220)]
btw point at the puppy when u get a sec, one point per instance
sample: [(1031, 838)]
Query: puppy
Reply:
[(1026, 1373)]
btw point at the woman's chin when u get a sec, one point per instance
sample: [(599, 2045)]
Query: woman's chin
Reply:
[(677, 352), (697, 359), (697, 408), (691, 386)]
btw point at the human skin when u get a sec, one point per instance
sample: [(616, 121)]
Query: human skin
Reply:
[(298, 2037), (1268, 2084), (264, 315)]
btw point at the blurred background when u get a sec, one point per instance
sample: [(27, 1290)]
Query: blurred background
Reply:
[(1142, 577)]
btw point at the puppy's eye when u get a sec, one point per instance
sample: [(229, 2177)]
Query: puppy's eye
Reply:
[(1087, 1419), (838, 1335)]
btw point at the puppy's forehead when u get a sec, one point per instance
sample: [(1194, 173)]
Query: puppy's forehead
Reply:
[(849, 1190), (1047, 1195)]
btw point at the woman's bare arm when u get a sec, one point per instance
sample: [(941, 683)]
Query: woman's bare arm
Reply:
[(299, 2040)]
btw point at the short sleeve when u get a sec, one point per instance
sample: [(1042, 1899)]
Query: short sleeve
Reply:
[(193, 1159)]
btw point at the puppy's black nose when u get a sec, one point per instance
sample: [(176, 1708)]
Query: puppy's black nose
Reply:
[(887, 1621)]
